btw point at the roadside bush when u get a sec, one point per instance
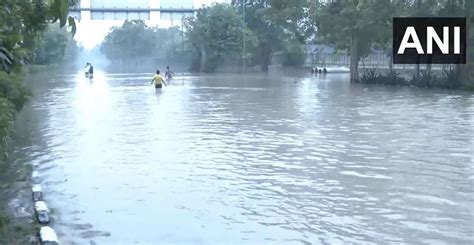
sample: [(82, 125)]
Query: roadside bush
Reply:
[(6, 122), (293, 54), (469, 85), (389, 78), (426, 79), (392, 78), (369, 77), (13, 97), (12, 89), (451, 79)]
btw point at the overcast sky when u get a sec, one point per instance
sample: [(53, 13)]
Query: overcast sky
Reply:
[(91, 32)]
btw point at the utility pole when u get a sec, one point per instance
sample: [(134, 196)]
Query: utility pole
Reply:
[(243, 34), (182, 36)]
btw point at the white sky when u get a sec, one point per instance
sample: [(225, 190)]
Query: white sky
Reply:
[(90, 33)]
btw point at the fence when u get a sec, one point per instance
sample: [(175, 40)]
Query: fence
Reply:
[(372, 61)]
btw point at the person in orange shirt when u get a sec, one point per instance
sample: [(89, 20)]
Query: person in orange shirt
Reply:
[(158, 79)]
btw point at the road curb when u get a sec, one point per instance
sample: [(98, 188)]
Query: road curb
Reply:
[(46, 234)]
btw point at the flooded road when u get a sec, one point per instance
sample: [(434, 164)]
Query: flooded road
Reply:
[(250, 159)]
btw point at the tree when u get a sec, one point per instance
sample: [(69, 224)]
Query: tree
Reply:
[(215, 33), (54, 46), (275, 23), (166, 40), (384, 41), (293, 53), (134, 39), (353, 25), (21, 24), (461, 8)]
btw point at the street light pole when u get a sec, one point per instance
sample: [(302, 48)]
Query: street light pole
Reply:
[(243, 34)]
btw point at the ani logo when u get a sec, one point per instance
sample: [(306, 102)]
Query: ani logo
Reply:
[(429, 40)]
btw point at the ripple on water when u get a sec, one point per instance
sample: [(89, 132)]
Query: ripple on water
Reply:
[(252, 160)]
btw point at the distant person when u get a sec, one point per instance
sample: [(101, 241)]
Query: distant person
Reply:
[(158, 79), (313, 70), (325, 70), (87, 69), (168, 73), (91, 70), (320, 70)]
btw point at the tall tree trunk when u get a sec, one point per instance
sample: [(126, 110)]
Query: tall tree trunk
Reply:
[(417, 67), (265, 55), (390, 62), (202, 64), (428, 65), (465, 71), (354, 67)]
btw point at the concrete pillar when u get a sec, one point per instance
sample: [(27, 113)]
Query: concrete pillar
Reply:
[(155, 16), (85, 15)]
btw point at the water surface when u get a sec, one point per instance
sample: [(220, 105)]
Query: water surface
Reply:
[(253, 159)]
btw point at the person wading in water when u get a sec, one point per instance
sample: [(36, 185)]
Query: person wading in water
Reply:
[(158, 79), (168, 73), (91, 70), (87, 68)]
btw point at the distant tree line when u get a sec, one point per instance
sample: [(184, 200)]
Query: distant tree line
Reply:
[(253, 32), (134, 40), (219, 35), (54, 46)]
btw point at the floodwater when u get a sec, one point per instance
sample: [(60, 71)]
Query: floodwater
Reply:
[(251, 159)]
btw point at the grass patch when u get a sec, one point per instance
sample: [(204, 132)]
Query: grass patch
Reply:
[(13, 233)]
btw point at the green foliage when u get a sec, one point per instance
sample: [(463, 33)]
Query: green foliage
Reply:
[(134, 39), (12, 89), (389, 78), (274, 23), (215, 33), (339, 22), (170, 44), (11, 233), (354, 25), (392, 78), (358, 25), (55, 45), (6, 121), (21, 25), (370, 77), (4, 220), (293, 54), (12, 98), (6, 58), (451, 79), (425, 79)]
